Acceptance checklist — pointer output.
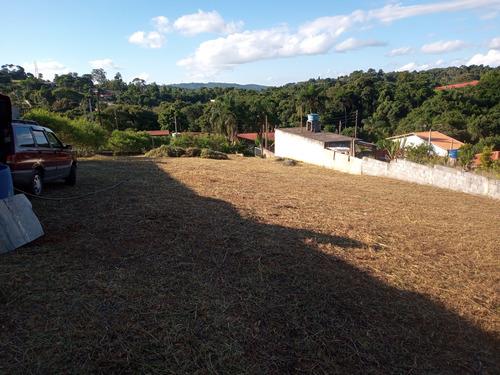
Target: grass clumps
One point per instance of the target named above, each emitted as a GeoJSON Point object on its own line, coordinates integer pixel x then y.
{"type": "Point", "coordinates": [211, 154]}
{"type": "Point", "coordinates": [166, 151]}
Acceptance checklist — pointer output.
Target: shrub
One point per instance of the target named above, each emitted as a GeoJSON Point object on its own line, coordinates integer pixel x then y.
{"type": "Point", "coordinates": [184, 141]}
{"type": "Point", "coordinates": [129, 142]}
{"type": "Point", "coordinates": [207, 153]}
{"type": "Point", "coordinates": [420, 153]}
{"type": "Point", "coordinates": [486, 162]}
{"type": "Point", "coordinates": [465, 155]}
{"type": "Point", "coordinates": [86, 137]}
{"type": "Point", "coordinates": [241, 147]}
{"type": "Point", "coordinates": [215, 142]}
{"type": "Point", "coordinates": [193, 151]}
{"type": "Point", "coordinates": [174, 152]}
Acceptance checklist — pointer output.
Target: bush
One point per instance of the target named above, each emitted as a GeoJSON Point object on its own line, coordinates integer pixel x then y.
{"type": "Point", "coordinates": [175, 152]}
{"type": "Point", "coordinates": [420, 154]}
{"type": "Point", "coordinates": [87, 138]}
{"type": "Point", "coordinates": [214, 142]}
{"type": "Point", "coordinates": [241, 147]}
{"type": "Point", "coordinates": [184, 141]}
{"type": "Point", "coordinates": [207, 153]}
{"type": "Point", "coordinates": [486, 162]}
{"type": "Point", "coordinates": [465, 155]}
{"type": "Point", "coordinates": [129, 142]}
{"type": "Point", "coordinates": [193, 152]}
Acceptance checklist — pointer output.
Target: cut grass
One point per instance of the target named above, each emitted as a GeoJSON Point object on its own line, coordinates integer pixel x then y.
{"type": "Point", "coordinates": [247, 266]}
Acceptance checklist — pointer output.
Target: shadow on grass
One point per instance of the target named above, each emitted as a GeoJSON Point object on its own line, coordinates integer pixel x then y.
{"type": "Point", "coordinates": [153, 278]}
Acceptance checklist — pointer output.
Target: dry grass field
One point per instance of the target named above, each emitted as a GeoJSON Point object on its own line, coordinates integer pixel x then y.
{"type": "Point", "coordinates": [247, 266]}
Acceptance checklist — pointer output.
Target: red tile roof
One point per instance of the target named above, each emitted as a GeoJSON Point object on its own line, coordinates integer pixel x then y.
{"type": "Point", "coordinates": [437, 138]}
{"type": "Point", "coordinates": [157, 132]}
{"type": "Point", "coordinates": [472, 83]}
{"type": "Point", "coordinates": [253, 136]}
{"type": "Point", "coordinates": [477, 158]}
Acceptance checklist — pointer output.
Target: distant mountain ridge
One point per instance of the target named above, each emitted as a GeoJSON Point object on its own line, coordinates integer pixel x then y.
{"type": "Point", "coordinates": [211, 85]}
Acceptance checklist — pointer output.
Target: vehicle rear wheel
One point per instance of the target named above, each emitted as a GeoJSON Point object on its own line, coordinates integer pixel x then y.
{"type": "Point", "coordinates": [71, 179]}
{"type": "Point", "coordinates": [36, 185]}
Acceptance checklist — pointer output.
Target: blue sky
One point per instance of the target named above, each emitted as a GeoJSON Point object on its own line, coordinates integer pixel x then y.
{"type": "Point", "coordinates": [272, 42]}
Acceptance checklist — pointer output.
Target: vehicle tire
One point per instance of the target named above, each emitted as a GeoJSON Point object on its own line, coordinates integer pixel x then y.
{"type": "Point", "coordinates": [36, 185]}
{"type": "Point", "coordinates": [71, 179]}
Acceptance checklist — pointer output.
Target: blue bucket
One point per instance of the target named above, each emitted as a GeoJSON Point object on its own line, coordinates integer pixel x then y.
{"type": "Point", "coordinates": [6, 188]}
{"type": "Point", "coordinates": [453, 154]}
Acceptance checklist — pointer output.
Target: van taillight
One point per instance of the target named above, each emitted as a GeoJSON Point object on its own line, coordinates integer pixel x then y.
{"type": "Point", "coordinates": [11, 159]}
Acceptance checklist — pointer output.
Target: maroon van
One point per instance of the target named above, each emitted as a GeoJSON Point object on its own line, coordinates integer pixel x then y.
{"type": "Point", "coordinates": [34, 153]}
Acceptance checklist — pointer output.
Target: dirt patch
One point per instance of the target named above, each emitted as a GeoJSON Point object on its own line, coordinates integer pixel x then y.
{"type": "Point", "coordinates": [248, 266]}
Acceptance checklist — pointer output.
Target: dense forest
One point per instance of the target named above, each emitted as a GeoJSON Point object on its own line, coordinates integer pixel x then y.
{"type": "Point", "coordinates": [374, 104]}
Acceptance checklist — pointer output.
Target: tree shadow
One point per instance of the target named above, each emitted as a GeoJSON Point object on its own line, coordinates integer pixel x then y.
{"type": "Point", "coordinates": [173, 282]}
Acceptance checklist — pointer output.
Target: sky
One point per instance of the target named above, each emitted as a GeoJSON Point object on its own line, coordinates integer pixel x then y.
{"type": "Point", "coordinates": [265, 42]}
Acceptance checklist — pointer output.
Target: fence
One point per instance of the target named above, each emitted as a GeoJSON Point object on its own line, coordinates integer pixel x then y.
{"type": "Point", "coordinates": [439, 176]}
{"type": "Point", "coordinates": [312, 151]}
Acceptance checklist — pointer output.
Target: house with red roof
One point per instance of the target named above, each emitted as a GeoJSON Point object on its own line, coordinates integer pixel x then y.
{"type": "Point", "coordinates": [251, 137]}
{"type": "Point", "coordinates": [441, 143]}
{"type": "Point", "coordinates": [476, 162]}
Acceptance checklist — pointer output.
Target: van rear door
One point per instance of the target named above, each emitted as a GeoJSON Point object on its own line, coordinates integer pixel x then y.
{"type": "Point", "coordinates": [6, 144]}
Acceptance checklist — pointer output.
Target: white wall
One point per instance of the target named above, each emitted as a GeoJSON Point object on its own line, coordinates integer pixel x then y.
{"type": "Point", "coordinates": [310, 151]}
{"type": "Point", "coordinates": [413, 140]}
{"type": "Point", "coordinates": [439, 176]}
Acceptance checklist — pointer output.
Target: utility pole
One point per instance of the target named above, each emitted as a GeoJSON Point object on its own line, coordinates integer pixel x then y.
{"type": "Point", "coordinates": [98, 107]}
{"type": "Point", "coordinates": [91, 114]}
{"type": "Point", "coordinates": [356, 126]}
{"type": "Point", "coordinates": [267, 129]}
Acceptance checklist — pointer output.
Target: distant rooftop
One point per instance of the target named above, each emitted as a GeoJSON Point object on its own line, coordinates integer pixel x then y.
{"type": "Point", "coordinates": [436, 138]}
{"type": "Point", "coordinates": [325, 137]}
{"type": "Point", "coordinates": [471, 83]}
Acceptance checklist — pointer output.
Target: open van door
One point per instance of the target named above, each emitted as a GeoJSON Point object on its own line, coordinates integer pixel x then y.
{"type": "Point", "coordinates": [5, 128]}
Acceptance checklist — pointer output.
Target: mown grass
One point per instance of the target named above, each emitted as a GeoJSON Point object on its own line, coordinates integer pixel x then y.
{"type": "Point", "coordinates": [247, 266]}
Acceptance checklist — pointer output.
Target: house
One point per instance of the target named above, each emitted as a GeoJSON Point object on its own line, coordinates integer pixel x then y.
{"type": "Point", "coordinates": [476, 162]}
{"type": "Point", "coordinates": [321, 148]}
{"type": "Point", "coordinates": [158, 133]}
{"type": "Point", "coordinates": [250, 138]}
{"type": "Point", "coordinates": [441, 143]}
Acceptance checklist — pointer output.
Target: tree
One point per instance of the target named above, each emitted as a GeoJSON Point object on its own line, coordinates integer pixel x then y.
{"type": "Point", "coordinates": [99, 76]}
{"type": "Point", "coordinates": [465, 155]}
{"type": "Point", "coordinates": [486, 161]}
{"type": "Point", "coordinates": [171, 118]}
{"type": "Point", "coordinates": [311, 96]}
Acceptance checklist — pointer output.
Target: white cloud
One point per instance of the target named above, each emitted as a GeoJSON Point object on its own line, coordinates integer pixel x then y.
{"type": "Point", "coordinates": [401, 51]}
{"type": "Point", "coordinates": [489, 16]}
{"type": "Point", "coordinates": [106, 64]}
{"type": "Point", "coordinates": [491, 59]}
{"type": "Point", "coordinates": [161, 24]}
{"type": "Point", "coordinates": [415, 66]}
{"type": "Point", "coordinates": [352, 44]}
{"type": "Point", "coordinates": [393, 12]}
{"type": "Point", "coordinates": [205, 22]}
{"type": "Point", "coordinates": [495, 43]}
{"type": "Point", "coordinates": [152, 39]}
{"type": "Point", "coordinates": [443, 46]}
{"type": "Point", "coordinates": [315, 37]}
{"type": "Point", "coordinates": [48, 68]}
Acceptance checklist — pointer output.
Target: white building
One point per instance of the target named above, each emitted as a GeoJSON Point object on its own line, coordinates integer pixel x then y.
{"type": "Point", "coordinates": [440, 142]}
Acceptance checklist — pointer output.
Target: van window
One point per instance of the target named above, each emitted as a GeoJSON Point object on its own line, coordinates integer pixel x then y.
{"type": "Point", "coordinates": [41, 139]}
{"type": "Point", "coordinates": [24, 137]}
{"type": "Point", "coordinates": [54, 142]}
